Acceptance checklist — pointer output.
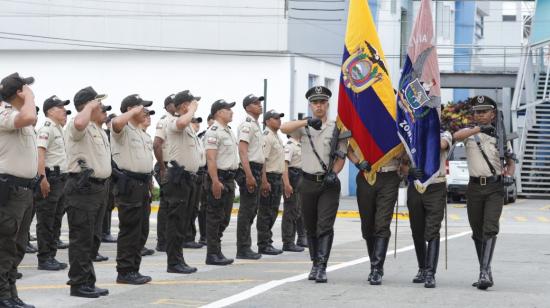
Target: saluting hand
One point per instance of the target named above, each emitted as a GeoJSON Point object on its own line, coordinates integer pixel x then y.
{"type": "Point", "coordinates": [26, 93]}
{"type": "Point", "coordinates": [137, 110]}
{"type": "Point", "coordinates": [217, 188]}
{"type": "Point", "coordinates": [45, 188]}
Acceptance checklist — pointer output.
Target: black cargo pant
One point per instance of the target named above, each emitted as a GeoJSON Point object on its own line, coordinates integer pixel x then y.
{"type": "Point", "coordinates": [47, 211]}
{"type": "Point", "coordinates": [426, 211]}
{"type": "Point", "coordinates": [163, 207]}
{"type": "Point", "coordinates": [484, 204]}
{"type": "Point", "coordinates": [218, 214]}
{"type": "Point", "coordinates": [109, 209]}
{"type": "Point", "coordinates": [376, 203]}
{"type": "Point", "coordinates": [179, 200]}
{"type": "Point", "coordinates": [145, 222]}
{"type": "Point", "coordinates": [98, 233]}
{"type": "Point", "coordinates": [292, 209]}
{"type": "Point", "coordinates": [83, 211]}
{"type": "Point", "coordinates": [191, 232]}
{"type": "Point", "coordinates": [319, 207]}
{"type": "Point", "coordinates": [202, 209]}
{"type": "Point", "coordinates": [248, 208]}
{"type": "Point", "coordinates": [15, 221]}
{"type": "Point", "coordinates": [268, 210]}
{"type": "Point", "coordinates": [133, 210]}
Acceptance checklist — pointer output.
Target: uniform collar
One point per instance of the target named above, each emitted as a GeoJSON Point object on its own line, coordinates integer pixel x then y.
{"type": "Point", "coordinates": [248, 116]}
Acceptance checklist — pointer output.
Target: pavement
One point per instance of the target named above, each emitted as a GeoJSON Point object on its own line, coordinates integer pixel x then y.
{"type": "Point", "coordinates": [521, 268]}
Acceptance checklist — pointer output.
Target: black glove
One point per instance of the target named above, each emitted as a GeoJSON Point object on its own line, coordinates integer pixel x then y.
{"type": "Point", "coordinates": [363, 166]}
{"type": "Point", "coordinates": [416, 173]}
{"type": "Point", "coordinates": [488, 130]}
{"type": "Point", "coordinates": [331, 179]}
{"type": "Point", "coordinates": [315, 123]}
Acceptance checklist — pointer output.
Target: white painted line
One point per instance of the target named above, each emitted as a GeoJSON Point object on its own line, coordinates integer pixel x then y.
{"type": "Point", "coordinates": [246, 294]}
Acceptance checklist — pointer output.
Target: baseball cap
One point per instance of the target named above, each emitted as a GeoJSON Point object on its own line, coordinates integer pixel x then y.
{"type": "Point", "coordinates": [183, 97]}
{"type": "Point", "coordinates": [272, 114]}
{"type": "Point", "coordinates": [169, 100]}
{"type": "Point", "coordinates": [110, 117]}
{"type": "Point", "coordinates": [133, 100]}
{"type": "Point", "coordinates": [196, 120]}
{"type": "Point", "coordinates": [86, 95]}
{"type": "Point", "coordinates": [13, 83]}
{"type": "Point", "coordinates": [251, 98]}
{"type": "Point", "coordinates": [53, 101]}
{"type": "Point", "coordinates": [318, 93]}
{"type": "Point", "coordinates": [482, 102]}
{"type": "Point", "coordinates": [219, 105]}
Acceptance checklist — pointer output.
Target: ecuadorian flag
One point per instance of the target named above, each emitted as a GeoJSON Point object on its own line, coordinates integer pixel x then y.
{"type": "Point", "coordinates": [366, 101]}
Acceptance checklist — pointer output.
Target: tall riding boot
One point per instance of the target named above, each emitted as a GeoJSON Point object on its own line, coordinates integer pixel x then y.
{"type": "Point", "coordinates": [323, 253]}
{"type": "Point", "coordinates": [301, 233]}
{"type": "Point", "coordinates": [478, 243]}
{"type": "Point", "coordinates": [485, 277]}
{"type": "Point", "coordinates": [379, 256]}
{"type": "Point", "coordinates": [370, 250]}
{"type": "Point", "coordinates": [313, 245]}
{"type": "Point", "coordinates": [432, 257]}
{"type": "Point", "coordinates": [420, 249]}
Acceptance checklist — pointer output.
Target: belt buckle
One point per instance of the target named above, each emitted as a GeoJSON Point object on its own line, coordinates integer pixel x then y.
{"type": "Point", "coordinates": [482, 181]}
{"type": "Point", "coordinates": [319, 177]}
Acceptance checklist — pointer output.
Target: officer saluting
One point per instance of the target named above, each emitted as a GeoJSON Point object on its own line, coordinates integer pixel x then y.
{"type": "Point", "coordinates": [89, 166]}
{"type": "Point", "coordinates": [485, 193]}
{"type": "Point", "coordinates": [222, 160]}
{"type": "Point", "coordinates": [132, 153]}
{"type": "Point", "coordinates": [18, 169]}
{"type": "Point", "coordinates": [52, 164]}
{"type": "Point", "coordinates": [320, 189]}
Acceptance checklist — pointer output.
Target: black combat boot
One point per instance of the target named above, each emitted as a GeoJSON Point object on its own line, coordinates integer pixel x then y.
{"type": "Point", "coordinates": [478, 243]}
{"type": "Point", "coordinates": [377, 262]}
{"type": "Point", "coordinates": [313, 244]}
{"type": "Point", "coordinates": [323, 253]}
{"type": "Point", "coordinates": [420, 249]}
{"type": "Point", "coordinates": [432, 257]}
{"type": "Point", "coordinates": [370, 250]}
{"type": "Point", "coordinates": [485, 277]}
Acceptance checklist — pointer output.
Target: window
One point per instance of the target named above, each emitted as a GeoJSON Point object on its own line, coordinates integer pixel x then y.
{"type": "Point", "coordinates": [508, 17]}
{"type": "Point", "coordinates": [312, 80]}
{"type": "Point", "coordinates": [509, 11]}
{"type": "Point", "coordinates": [329, 83]}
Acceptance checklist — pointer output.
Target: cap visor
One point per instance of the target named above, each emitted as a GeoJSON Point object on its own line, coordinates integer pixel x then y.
{"type": "Point", "coordinates": [261, 98]}
{"type": "Point", "coordinates": [151, 112]}
{"type": "Point", "coordinates": [281, 115]}
{"type": "Point", "coordinates": [69, 112]}
{"type": "Point", "coordinates": [231, 105]}
{"type": "Point", "coordinates": [106, 108]}
{"type": "Point", "coordinates": [318, 97]}
{"type": "Point", "coordinates": [62, 103]}
{"type": "Point", "coordinates": [101, 96]}
{"type": "Point", "coordinates": [28, 80]}
{"type": "Point", "coordinates": [147, 103]}
{"type": "Point", "coordinates": [197, 98]}
{"type": "Point", "coordinates": [484, 107]}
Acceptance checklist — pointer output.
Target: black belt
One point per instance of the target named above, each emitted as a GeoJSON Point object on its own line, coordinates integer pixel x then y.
{"type": "Point", "coordinates": [484, 180]}
{"type": "Point", "coordinates": [314, 177]}
{"type": "Point", "coordinates": [227, 174]}
{"type": "Point", "coordinates": [141, 177]}
{"type": "Point", "coordinates": [273, 175]}
{"type": "Point", "coordinates": [92, 180]}
{"type": "Point", "coordinates": [17, 181]}
{"type": "Point", "coordinates": [256, 166]}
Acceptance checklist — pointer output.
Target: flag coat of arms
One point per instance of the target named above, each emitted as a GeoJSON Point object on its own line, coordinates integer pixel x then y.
{"type": "Point", "coordinates": [366, 99]}
{"type": "Point", "coordinates": [419, 100]}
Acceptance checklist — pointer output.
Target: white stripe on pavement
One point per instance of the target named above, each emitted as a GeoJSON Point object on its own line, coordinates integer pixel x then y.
{"type": "Point", "coordinates": [246, 294]}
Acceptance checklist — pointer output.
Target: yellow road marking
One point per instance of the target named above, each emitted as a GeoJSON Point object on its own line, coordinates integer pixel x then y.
{"type": "Point", "coordinates": [454, 217]}
{"type": "Point", "coordinates": [543, 219]}
{"type": "Point", "coordinates": [178, 302]}
{"type": "Point", "coordinates": [459, 206]}
{"type": "Point", "coordinates": [520, 218]}
{"type": "Point", "coordinates": [545, 208]}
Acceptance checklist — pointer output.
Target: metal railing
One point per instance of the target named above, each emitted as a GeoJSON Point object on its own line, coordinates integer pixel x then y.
{"type": "Point", "coordinates": [479, 58]}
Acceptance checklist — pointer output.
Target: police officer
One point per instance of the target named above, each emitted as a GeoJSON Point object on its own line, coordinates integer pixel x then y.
{"type": "Point", "coordinates": [52, 164]}
{"type": "Point", "coordinates": [426, 210]}
{"type": "Point", "coordinates": [89, 166]}
{"type": "Point", "coordinates": [485, 192]}
{"type": "Point", "coordinates": [184, 159]}
{"type": "Point", "coordinates": [272, 185]}
{"type": "Point", "coordinates": [18, 170]}
{"type": "Point", "coordinates": [106, 236]}
{"type": "Point", "coordinates": [320, 189]}
{"type": "Point", "coordinates": [160, 148]}
{"type": "Point", "coordinates": [191, 232]}
{"type": "Point", "coordinates": [132, 177]}
{"type": "Point", "coordinates": [222, 159]}
{"type": "Point", "coordinates": [149, 198]}
{"type": "Point", "coordinates": [292, 217]}
{"type": "Point", "coordinates": [249, 175]}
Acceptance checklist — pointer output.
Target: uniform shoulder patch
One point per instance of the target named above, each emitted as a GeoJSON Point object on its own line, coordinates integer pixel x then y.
{"type": "Point", "coordinates": [248, 120]}
{"type": "Point", "coordinates": [47, 124]}
{"type": "Point", "coordinates": [266, 133]}
{"type": "Point", "coordinates": [214, 128]}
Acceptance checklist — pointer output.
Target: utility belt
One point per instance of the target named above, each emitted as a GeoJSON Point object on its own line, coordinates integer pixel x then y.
{"type": "Point", "coordinates": [226, 175]}
{"type": "Point", "coordinates": [274, 176]}
{"type": "Point", "coordinates": [202, 171]}
{"type": "Point", "coordinates": [81, 176]}
{"type": "Point", "coordinates": [484, 180]}
{"type": "Point", "coordinates": [55, 175]}
{"type": "Point", "coordinates": [180, 176]}
{"type": "Point", "coordinates": [8, 181]}
{"type": "Point", "coordinates": [318, 178]}
{"type": "Point", "coordinates": [255, 168]}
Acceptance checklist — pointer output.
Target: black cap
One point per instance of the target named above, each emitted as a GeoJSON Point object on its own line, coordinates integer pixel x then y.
{"type": "Point", "coordinates": [483, 102]}
{"type": "Point", "coordinates": [196, 120]}
{"type": "Point", "coordinates": [86, 95]}
{"type": "Point", "coordinates": [169, 100]}
{"type": "Point", "coordinates": [272, 114]}
{"type": "Point", "coordinates": [13, 83]}
{"type": "Point", "coordinates": [53, 101]}
{"type": "Point", "coordinates": [251, 98]}
{"type": "Point", "coordinates": [184, 96]}
{"type": "Point", "coordinates": [219, 105]}
{"type": "Point", "coordinates": [210, 117]}
{"type": "Point", "coordinates": [68, 112]}
{"type": "Point", "coordinates": [133, 100]}
{"type": "Point", "coordinates": [106, 108]}
{"type": "Point", "coordinates": [151, 112]}
{"type": "Point", "coordinates": [318, 93]}
{"type": "Point", "coordinates": [110, 117]}
{"type": "Point", "coordinates": [37, 109]}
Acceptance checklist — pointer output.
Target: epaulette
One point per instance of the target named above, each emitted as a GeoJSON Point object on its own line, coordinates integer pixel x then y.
{"type": "Point", "coordinates": [248, 120]}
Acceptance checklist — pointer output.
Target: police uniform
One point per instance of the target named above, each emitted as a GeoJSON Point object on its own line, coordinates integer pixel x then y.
{"type": "Point", "coordinates": [106, 236]}
{"type": "Point", "coordinates": [18, 168]}
{"type": "Point", "coordinates": [250, 132]}
{"type": "Point", "coordinates": [85, 196]}
{"type": "Point", "coordinates": [426, 210]}
{"type": "Point", "coordinates": [292, 222]}
{"type": "Point", "coordinates": [485, 192]}
{"type": "Point", "coordinates": [219, 137]}
{"type": "Point", "coordinates": [160, 132]}
{"type": "Point", "coordinates": [132, 152]}
{"type": "Point", "coordinates": [273, 149]}
{"type": "Point", "coordinates": [51, 139]}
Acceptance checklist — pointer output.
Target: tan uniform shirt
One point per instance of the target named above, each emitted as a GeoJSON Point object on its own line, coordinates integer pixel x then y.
{"type": "Point", "coordinates": [184, 146]}
{"type": "Point", "coordinates": [441, 177]}
{"type": "Point", "coordinates": [250, 132]}
{"type": "Point", "coordinates": [477, 166]}
{"type": "Point", "coordinates": [274, 152]}
{"type": "Point", "coordinates": [132, 150]}
{"type": "Point", "coordinates": [321, 140]}
{"type": "Point", "coordinates": [50, 137]}
{"type": "Point", "coordinates": [293, 153]}
{"type": "Point", "coordinates": [90, 145]}
{"type": "Point", "coordinates": [224, 141]}
{"type": "Point", "coordinates": [161, 133]}
{"type": "Point", "coordinates": [18, 155]}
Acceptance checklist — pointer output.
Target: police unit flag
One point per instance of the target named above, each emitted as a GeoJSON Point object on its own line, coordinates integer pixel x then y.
{"type": "Point", "coordinates": [419, 100]}
{"type": "Point", "coordinates": [366, 100]}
